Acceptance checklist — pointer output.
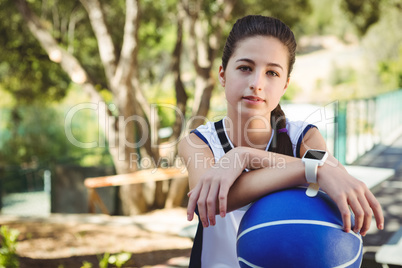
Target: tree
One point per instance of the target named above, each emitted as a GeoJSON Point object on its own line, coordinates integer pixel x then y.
{"type": "Point", "coordinates": [365, 13]}
{"type": "Point", "coordinates": [25, 69]}
{"type": "Point", "coordinates": [120, 68]}
{"type": "Point", "coordinates": [78, 36]}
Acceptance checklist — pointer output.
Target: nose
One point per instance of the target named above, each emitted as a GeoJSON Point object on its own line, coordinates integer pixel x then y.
{"type": "Point", "coordinates": [257, 81]}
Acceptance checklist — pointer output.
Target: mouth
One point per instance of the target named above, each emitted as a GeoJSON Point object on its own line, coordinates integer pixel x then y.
{"type": "Point", "coordinates": [253, 99]}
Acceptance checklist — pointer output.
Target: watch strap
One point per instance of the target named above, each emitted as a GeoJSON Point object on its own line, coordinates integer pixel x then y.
{"type": "Point", "coordinates": [311, 177]}
{"type": "Point", "coordinates": [312, 189]}
{"type": "Point", "coordinates": [311, 171]}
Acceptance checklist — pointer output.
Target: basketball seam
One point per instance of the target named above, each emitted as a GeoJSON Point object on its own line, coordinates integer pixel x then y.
{"type": "Point", "coordinates": [314, 222]}
{"type": "Point", "coordinates": [273, 223]}
{"type": "Point", "coordinates": [248, 263]}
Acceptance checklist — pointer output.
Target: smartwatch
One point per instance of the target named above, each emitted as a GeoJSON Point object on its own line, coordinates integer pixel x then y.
{"type": "Point", "coordinates": [313, 159]}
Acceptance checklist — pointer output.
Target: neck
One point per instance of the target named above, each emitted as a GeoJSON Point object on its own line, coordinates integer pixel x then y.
{"type": "Point", "coordinates": [254, 133]}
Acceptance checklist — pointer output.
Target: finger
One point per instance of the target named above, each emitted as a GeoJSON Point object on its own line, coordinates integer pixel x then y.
{"type": "Point", "coordinates": [211, 202]}
{"type": "Point", "coordinates": [345, 213]}
{"type": "Point", "coordinates": [366, 216]}
{"type": "Point", "coordinates": [192, 201]}
{"type": "Point", "coordinates": [358, 212]}
{"type": "Point", "coordinates": [189, 193]}
{"type": "Point", "coordinates": [377, 210]}
{"type": "Point", "coordinates": [223, 194]}
{"type": "Point", "coordinates": [202, 208]}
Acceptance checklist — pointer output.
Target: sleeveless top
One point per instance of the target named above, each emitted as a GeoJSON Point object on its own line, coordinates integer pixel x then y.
{"type": "Point", "coordinates": [215, 246]}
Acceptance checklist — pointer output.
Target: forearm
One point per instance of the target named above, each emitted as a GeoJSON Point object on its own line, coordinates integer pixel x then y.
{"type": "Point", "coordinates": [251, 158]}
{"type": "Point", "coordinates": [257, 183]}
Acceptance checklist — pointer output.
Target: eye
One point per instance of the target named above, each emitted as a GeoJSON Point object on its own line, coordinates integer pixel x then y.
{"type": "Point", "coordinates": [272, 73]}
{"type": "Point", "coordinates": [244, 68]}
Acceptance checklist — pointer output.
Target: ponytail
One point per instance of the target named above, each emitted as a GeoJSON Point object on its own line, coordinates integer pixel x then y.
{"type": "Point", "coordinates": [281, 143]}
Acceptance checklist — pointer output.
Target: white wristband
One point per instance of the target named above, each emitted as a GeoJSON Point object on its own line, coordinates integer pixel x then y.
{"type": "Point", "coordinates": [311, 171]}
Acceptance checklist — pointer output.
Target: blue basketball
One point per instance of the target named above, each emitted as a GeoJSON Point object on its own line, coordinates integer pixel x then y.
{"type": "Point", "coordinates": [290, 229]}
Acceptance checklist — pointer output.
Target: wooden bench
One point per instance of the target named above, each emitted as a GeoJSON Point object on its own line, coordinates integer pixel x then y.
{"type": "Point", "coordinates": [140, 176]}
{"type": "Point", "coordinates": [391, 252]}
{"type": "Point", "coordinates": [373, 177]}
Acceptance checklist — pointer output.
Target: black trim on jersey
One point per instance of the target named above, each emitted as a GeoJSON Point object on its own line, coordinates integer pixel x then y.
{"type": "Point", "coordinates": [307, 128]}
{"type": "Point", "coordinates": [196, 251]}
{"type": "Point", "coordinates": [224, 140]}
{"type": "Point", "coordinates": [199, 135]}
{"type": "Point", "coordinates": [195, 257]}
{"type": "Point", "coordinates": [222, 136]}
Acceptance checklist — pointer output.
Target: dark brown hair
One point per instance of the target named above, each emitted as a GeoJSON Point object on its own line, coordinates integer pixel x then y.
{"type": "Point", "coordinates": [256, 25]}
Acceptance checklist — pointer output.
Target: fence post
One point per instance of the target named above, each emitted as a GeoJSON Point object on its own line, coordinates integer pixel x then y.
{"type": "Point", "coordinates": [47, 182]}
{"type": "Point", "coordinates": [340, 133]}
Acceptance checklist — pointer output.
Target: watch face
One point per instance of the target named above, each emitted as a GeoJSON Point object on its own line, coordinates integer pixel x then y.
{"type": "Point", "coordinates": [314, 154]}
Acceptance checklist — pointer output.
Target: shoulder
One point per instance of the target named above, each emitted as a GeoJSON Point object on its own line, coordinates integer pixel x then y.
{"type": "Point", "coordinates": [305, 135]}
{"type": "Point", "coordinates": [297, 132]}
{"type": "Point", "coordinates": [297, 129]}
{"type": "Point", "coordinates": [197, 140]}
{"type": "Point", "coordinates": [206, 130]}
{"type": "Point", "coordinates": [191, 143]}
{"type": "Point", "coordinates": [297, 125]}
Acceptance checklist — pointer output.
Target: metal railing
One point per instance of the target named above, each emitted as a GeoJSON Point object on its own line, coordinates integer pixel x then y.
{"type": "Point", "coordinates": [364, 123]}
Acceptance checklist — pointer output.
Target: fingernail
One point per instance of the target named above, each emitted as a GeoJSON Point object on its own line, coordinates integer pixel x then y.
{"type": "Point", "coordinates": [188, 217]}
{"type": "Point", "coordinates": [381, 227]}
{"type": "Point", "coordinates": [222, 214]}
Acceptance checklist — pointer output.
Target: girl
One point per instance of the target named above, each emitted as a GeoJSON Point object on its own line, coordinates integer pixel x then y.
{"type": "Point", "coordinates": [255, 150]}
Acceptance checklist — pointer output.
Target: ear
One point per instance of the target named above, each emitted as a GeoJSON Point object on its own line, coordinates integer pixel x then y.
{"type": "Point", "coordinates": [222, 79]}
{"type": "Point", "coordinates": [286, 86]}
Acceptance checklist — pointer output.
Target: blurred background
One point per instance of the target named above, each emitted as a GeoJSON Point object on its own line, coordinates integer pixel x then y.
{"type": "Point", "coordinates": [95, 88]}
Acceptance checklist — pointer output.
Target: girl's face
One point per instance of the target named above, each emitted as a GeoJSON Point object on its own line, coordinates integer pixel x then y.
{"type": "Point", "coordinates": [256, 77]}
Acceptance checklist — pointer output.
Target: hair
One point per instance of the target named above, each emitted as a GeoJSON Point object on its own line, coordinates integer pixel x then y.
{"type": "Point", "coordinates": [257, 25]}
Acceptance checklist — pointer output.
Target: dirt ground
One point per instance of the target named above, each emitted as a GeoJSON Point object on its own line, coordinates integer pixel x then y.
{"type": "Point", "coordinates": [154, 240]}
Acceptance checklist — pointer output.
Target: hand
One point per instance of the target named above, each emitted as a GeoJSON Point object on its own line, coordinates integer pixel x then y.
{"type": "Point", "coordinates": [214, 185]}
{"type": "Point", "coordinates": [347, 191]}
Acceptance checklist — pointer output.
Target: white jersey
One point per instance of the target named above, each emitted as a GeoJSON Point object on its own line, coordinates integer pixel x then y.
{"type": "Point", "coordinates": [215, 246]}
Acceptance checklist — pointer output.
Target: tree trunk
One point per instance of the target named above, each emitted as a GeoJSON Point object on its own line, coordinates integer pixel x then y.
{"type": "Point", "coordinates": [204, 47]}
{"type": "Point", "coordinates": [119, 131]}
{"type": "Point", "coordinates": [178, 187]}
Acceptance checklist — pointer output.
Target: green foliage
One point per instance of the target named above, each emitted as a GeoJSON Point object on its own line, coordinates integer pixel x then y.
{"type": "Point", "coordinates": [117, 260]}
{"type": "Point", "coordinates": [344, 83]}
{"type": "Point", "coordinates": [38, 132]}
{"type": "Point", "coordinates": [382, 49]}
{"type": "Point", "coordinates": [342, 75]}
{"type": "Point", "coordinates": [104, 261]}
{"type": "Point", "coordinates": [391, 71]}
{"type": "Point", "coordinates": [25, 70]}
{"type": "Point", "coordinates": [291, 92]}
{"type": "Point", "coordinates": [8, 250]}
{"type": "Point", "coordinates": [291, 12]}
{"type": "Point", "coordinates": [326, 18]}
{"type": "Point", "coordinates": [362, 13]}
{"type": "Point", "coordinates": [86, 264]}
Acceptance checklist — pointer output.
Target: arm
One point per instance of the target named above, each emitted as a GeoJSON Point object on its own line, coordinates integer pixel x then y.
{"type": "Point", "coordinates": [211, 181]}
{"type": "Point", "coordinates": [344, 189]}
